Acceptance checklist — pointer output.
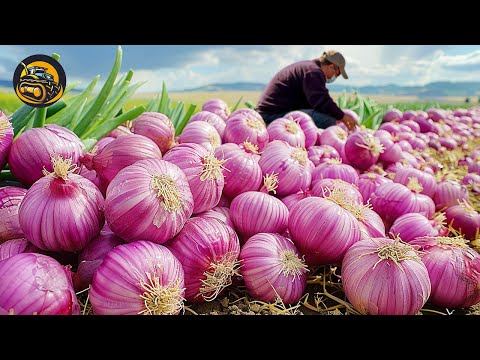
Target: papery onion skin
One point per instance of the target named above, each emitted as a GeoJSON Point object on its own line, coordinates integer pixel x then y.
{"type": "Point", "coordinates": [287, 130]}
{"type": "Point", "coordinates": [135, 207]}
{"type": "Point", "coordinates": [253, 212]}
{"type": "Point", "coordinates": [380, 287]}
{"type": "Point", "coordinates": [410, 226]}
{"type": "Point", "coordinates": [32, 150]}
{"type": "Point", "coordinates": [61, 213]}
{"type": "Point", "coordinates": [465, 219]}
{"type": "Point", "coordinates": [138, 269]}
{"type": "Point", "coordinates": [92, 256]}
{"type": "Point", "coordinates": [322, 230]}
{"type": "Point", "coordinates": [36, 284]}
{"type": "Point", "coordinates": [211, 118]}
{"type": "Point", "coordinates": [157, 127]}
{"type": "Point", "coordinates": [206, 246]}
{"type": "Point", "coordinates": [428, 182]}
{"type": "Point", "coordinates": [241, 170]}
{"type": "Point", "coordinates": [454, 271]}
{"type": "Point", "coordinates": [10, 199]}
{"type": "Point", "coordinates": [203, 171]}
{"type": "Point", "coordinates": [307, 124]}
{"type": "Point", "coordinates": [122, 152]}
{"type": "Point", "coordinates": [217, 106]}
{"type": "Point", "coordinates": [16, 246]}
{"type": "Point", "coordinates": [292, 165]}
{"type": "Point", "coordinates": [246, 127]}
{"type": "Point", "coordinates": [322, 188]}
{"type": "Point", "coordinates": [272, 267]}
{"type": "Point", "coordinates": [201, 132]}
{"type": "Point", "coordinates": [6, 139]}
{"type": "Point", "coordinates": [368, 182]}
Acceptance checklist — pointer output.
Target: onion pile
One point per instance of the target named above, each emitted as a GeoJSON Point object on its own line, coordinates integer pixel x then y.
{"type": "Point", "coordinates": [6, 139]}
{"type": "Point", "coordinates": [156, 127]}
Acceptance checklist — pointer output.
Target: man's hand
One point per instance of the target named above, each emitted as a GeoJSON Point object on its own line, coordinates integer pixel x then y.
{"type": "Point", "coordinates": [349, 122]}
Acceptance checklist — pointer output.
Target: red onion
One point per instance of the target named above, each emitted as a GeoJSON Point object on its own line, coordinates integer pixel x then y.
{"type": "Point", "coordinates": [323, 230]}
{"type": "Point", "coordinates": [204, 174]}
{"type": "Point", "coordinates": [208, 251]}
{"type": "Point", "coordinates": [290, 163]}
{"type": "Point", "coordinates": [201, 132]}
{"type": "Point", "coordinates": [404, 146]}
{"type": "Point", "coordinates": [409, 160]}
{"type": "Point", "coordinates": [92, 256]}
{"type": "Point", "coordinates": [319, 154]}
{"type": "Point", "coordinates": [392, 128]}
{"type": "Point", "coordinates": [412, 125]}
{"type": "Point", "coordinates": [410, 115]}
{"type": "Point", "coordinates": [272, 268]}
{"type": "Point", "coordinates": [138, 278]}
{"type": "Point", "coordinates": [246, 127]}
{"type": "Point", "coordinates": [119, 131]}
{"type": "Point", "coordinates": [392, 115]}
{"type": "Point", "coordinates": [438, 223]}
{"type": "Point", "coordinates": [32, 150]}
{"type": "Point", "coordinates": [211, 118]}
{"type": "Point", "coordinates": [319, 134]}
{"type": "Point", "coordinates": [324, 187]}
{"type": "Point", "coordinates": [219, 213]}
{"type": "Point", "coordinates": [392, 152]}
{"type": "Point", "coordinates": [368, 182]}
{"type": "Point", "coordinates": [217, 106]}
{"type": "Point", "coordinates": [10, 199]}
{"type": "Point", "coordinates": [454, 271]}
{"type": "Point", "coordinates": [465, 219]}
{"type": "Point", "coordinates": [36, 284]}
{"type": "Point", "coordinates": [427, 181]}
{"type": "Point", "coordinates": [62, 211]}
{"type": "Point", "coordinates": [307, 124]}
{"type": "Point", "coordinates": [391, 200]}
{"type": "Point", "coordinates": [149, 200]}
{"type": "Point", "coordinates": [246, 112]}
{"type": "Point", "coordinates": [291, 200]}
{"type": "Point", "coordinates": [253, 212]}
{"type": "Point", "coordinates": [120, 153]}
{"type": "Point", "coordinates": [448, 193]}
{"type": "Point", "coordinates": [371, 224]}
{"type": "Point", "coordinates": [157, 127]}
{"type": "Point", "coordinates": [336, 137]}
{"type": "Point", "coordinates": [418, 144]}
{"type": "Point", "coordinates": [436, 114]}
{"type": "Point", "coordinates": [6, 139]}
{"type": "Point", "coordinates": [469, 179]}
{"type": "Point", "coordinates": [16, 246]}
{"type": "Point", "coordinates": [381, 276]}
{"type": "Point", "coordinates": [363, 149]}
{"type": "Point", "coordinates": [353, 114]}
{"type": "Point", "coordinates": [288, 130]}
{"type": "Point", "coordinates": [334, 169]}
{"type": "Point", "coordinates": [410, 226]}
{"type": "Point", "coordinates": [241, 170]}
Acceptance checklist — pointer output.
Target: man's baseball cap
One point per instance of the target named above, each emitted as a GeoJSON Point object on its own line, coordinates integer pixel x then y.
{"type": "Point", "coordinates": [336, 58]}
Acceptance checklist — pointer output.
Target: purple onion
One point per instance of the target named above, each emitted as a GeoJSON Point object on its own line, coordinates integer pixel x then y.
{"type": "Point", "coordinates": [6, 139]}
{"type": "Point", "coordinates": [362, 149]}
{"type": "Point", "coordinates": [368, 182]}
{"type": "Point", "coordinates": [404, 145]}
{"type": "Point", "coordinates": [410, 226]}
{"type": "Point", "coordinates": [334, 169]}
{"type": "Point", "coordinates": [291, 200]}
{"type": "Point", "coordinates": [392, 115]}
{"type": "Point", "coordinates": [211, 118]}
{"type": "Point", "coordinates": [200, 132]}
{"type": "Point", "coordinates": [409, 115]}
{"type": "Point", "coordinates": [448, 193]}
{"type": "Point", "coordinates": [288, 130]}
{"type": "Point", "coordinates": [246, 127]}
{"type": "Point", "coordinates": [336, 137]}
{"type": "Point", "coordinates": [119, 131]}
{"type": "Point", "coordinates": [307, 124]}
{"type": "Point", "coordinates": [320, 154]}
{"type": "Point", "coordinates": [427, 181]}
{"type": "Point", "coordinates": [10, 199]}
{"type": "Point", "coordinates": [412, 125]}
{"type": "Point", "coordinates": [217, 106]}
{"type": "Point", "coordinates": [418, 144]}
{"type": "Point", "coordinates": [17, 246]}
{"type": "Point", "coordinates": [157, 127]}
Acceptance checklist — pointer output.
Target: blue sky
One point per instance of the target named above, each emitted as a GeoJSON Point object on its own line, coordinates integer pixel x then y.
{"type": "Point", "coordinates": [183, 66]}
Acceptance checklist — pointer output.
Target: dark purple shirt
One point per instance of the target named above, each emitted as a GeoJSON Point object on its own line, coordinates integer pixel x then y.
{"type": "Point", "coordinates": [301, 85]}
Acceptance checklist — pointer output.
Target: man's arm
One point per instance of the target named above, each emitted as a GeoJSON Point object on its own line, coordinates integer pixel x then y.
{"type": "Point", "coordinates": [317, 95]}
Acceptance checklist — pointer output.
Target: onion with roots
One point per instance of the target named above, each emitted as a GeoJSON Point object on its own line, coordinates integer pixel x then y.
{"type": "Point", "coordinates": [448, 193]}
{"type": "Point", "coordinates": [211, 118]}
{"type": "Point", "coordinates": [140, 278]}
{"type": "Point", "coordinates": [246, 127]}
{"type": "Point", "coordinates": [323, 188]}
{"type": "Point", "coordinates": [157, 127]}
{"type": "Point", "coordinates": [464, 219]}
{"type": "Point", "coordinates": [36, 284]}
{"type": "Point", "coordinates": [381, 276]}
{"type": "Point", "coordinates": [241, 169]}
{"type": "Point", "coordinates": [454, 271]}
{"type": "Point", "coordinates": [203, 171]}
{"type": "Point", "coordinates": [10, 199]}
{"type": "Point", "coordinates": [62, 211]}
{"type": "Point", "coordinates": [149, 200]}
{"type": "Point", "coordinates": [362, 149]}
{"type": "Point", "coordinates": [32, 150]}
{"type": "Point", "coordinates": [217, 106]}
{"type": "Point", "coordinates": [410, 226]}
{"type": "Point", "coordinates": [336, 137]}
{"type": "Point", "coordinates": [291, 164]}
{"type": "Point", "coordinates": [6, 139]}
{"type": "Point", "coordinates": [248, 112]}
{"type": "Point", "coordinates": [273, 268]}
{"type": "Point", "coordinates": [287, 130]}
{"type": "Point", "coordinates": [253, 212]}
{"type": "Point", "coordinates": [208, 250]}
{"type": "Point", "coordinates": [428, 182]}
{"type": "Point", "coordinates": [200, 132]}
{"type": "Point", "coordinates": [307, 124]}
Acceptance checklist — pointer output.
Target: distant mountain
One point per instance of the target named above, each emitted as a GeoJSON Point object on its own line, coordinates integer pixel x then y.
{"type": "Point", "coordinates": [435, 89]}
